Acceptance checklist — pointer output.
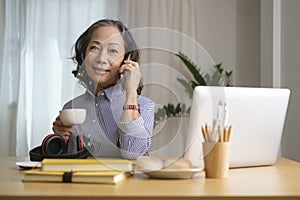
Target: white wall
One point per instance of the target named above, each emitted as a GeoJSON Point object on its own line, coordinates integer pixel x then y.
{"type": "Point", "coordinates": [247, 43]}
{"type": "Point", "coordinates": [266, 44]}
{"type": "Point", "coordinates": [230, 32]}
{"type": "Point", "coordinates": [290, 69]}
{"type": "Point", "coordinates": [1, 29]}
{"type": "Point", "coordinates": [290, 72]}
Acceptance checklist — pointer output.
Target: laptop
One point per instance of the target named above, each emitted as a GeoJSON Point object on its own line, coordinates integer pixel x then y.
{"type": "Point", "coordinates": [257, 117]}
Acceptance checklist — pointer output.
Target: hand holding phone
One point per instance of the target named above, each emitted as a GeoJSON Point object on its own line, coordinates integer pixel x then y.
{"type": "Point", "coordinates": [131, 75]}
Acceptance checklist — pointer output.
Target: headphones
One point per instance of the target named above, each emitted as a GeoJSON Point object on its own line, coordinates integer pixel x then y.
{"type": "Point", "coordinates": [54, 146]}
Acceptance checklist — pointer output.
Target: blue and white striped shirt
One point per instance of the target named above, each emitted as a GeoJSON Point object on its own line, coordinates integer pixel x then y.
{"type": "Point", "coordinates": [109, 136]}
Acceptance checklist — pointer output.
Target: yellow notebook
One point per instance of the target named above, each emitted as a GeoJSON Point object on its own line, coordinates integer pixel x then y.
{"type": "Point", "coordinates": [109, 177]}
{"type": "Point", "coordinates": [66, 165]}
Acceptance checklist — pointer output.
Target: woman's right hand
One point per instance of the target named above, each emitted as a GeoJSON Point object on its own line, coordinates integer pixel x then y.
{"type": "Point", "coordinates": [60, 129]}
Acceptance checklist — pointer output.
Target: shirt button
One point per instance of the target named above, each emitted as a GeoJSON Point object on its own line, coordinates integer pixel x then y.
{"type": "Point", "coordinates": [102, 93]}
{"type": "Point", "coordinates": [94, 121]}
{"type": "Point", "coordinates": [97, 105]}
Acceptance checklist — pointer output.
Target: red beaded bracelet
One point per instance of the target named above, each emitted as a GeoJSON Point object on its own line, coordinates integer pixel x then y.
{"type": "Point", "coordinates": [132, 107]}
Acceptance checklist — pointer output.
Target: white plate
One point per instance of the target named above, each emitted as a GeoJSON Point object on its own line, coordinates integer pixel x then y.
{"type": "Point", "coordinates": [28, 164]}
{"type": "Point", "coordinates": [173, 173]}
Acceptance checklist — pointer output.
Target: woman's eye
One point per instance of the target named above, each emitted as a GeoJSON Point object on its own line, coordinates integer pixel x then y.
{"type": "Point", "coordinates": [114, 51]}
{"type": "Point", "coordinates": [94, 48]}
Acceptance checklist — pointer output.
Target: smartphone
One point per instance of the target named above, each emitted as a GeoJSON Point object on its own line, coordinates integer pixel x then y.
{"type": "Point", "coordinates": [127, 57]}
{"type": "Point", "coordinates": [124, 75]}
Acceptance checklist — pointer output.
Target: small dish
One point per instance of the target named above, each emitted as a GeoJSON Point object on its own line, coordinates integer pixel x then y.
{"type": "Point", "coordinates": [28, 164]}
{"type": "Point", "coordinates": [173, 173]}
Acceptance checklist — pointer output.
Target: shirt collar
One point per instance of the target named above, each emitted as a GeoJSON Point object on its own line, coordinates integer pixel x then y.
{"type": "Point", "coordinates": [110, 93]}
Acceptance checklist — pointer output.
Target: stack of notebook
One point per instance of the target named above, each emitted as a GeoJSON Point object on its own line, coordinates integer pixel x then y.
{"type": "Point", "coordinates": [80, 171]}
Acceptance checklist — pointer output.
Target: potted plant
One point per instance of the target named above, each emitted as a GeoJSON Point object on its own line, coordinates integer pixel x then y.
{"type": "Point", "coordinates": [169, 137]}
{"type": "Point", "coordinates": [218, 77]}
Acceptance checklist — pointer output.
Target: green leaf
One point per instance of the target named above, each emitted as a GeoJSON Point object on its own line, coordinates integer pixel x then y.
{"type": "Point", "coordinates": [218, 77]}
{"type": "Point", "coordinates": [219, 68]}
{"type": "Point", "coordinates": [183, 108]}
{"type": "Point", "coordinates": [160, 114]}
{"type": "Point", "coordinates": [192, 68]}
{"type": "Point", "coordinates": [170, 110]}
{"type": "Point", "coordinates": [188, 111]}
{"type": "Point", "coordinates": [178, 109]}
{"type": "Point", "coordinates": [187, 85]}
{"type": "Point", "coordinates": [194, 84]}
{"type": "Point", "coordinates": [228, 78]}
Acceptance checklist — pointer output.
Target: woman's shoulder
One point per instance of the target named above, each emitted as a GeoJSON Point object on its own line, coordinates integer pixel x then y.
{"type": "Point", "coordinates": [77, 102]}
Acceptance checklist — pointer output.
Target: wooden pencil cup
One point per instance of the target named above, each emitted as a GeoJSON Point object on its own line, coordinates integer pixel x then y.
{"type": "Point", "coordinates": [216, 159]}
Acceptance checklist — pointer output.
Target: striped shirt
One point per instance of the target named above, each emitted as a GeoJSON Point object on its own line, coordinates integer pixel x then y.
{"type": "Point", "coordinates": [109, 136]}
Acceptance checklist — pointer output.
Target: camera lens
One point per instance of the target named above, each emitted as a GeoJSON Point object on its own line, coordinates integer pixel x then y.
{"type": "Point", "coordinates": [54, 145]}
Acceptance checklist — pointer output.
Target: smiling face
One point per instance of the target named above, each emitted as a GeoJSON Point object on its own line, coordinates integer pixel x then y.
{"type": "Point", "coordinates": [104, 55]}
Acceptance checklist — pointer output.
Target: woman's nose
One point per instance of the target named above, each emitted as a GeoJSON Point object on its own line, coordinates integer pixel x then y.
{"type": "Point", "coordinates": [102, 57]}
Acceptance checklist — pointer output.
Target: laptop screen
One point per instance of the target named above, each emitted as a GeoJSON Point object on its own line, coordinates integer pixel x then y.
{"type": "Point", "coordinates": [257, 117]}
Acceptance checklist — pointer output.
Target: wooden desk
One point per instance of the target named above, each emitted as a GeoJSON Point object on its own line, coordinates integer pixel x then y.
{"type": "Point", "coordinates": [281, 181]}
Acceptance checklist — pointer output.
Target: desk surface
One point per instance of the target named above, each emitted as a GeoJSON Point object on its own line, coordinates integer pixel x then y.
{"type": "Point", "coordinates": [280, 181]}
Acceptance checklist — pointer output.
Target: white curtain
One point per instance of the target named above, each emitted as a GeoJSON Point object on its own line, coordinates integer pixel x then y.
{"type": "Point", "coordinates": [35, 68]}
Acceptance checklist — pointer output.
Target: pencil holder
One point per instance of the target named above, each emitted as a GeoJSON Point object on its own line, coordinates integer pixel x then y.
{"type": "Point", "coordinates": [216, 159]}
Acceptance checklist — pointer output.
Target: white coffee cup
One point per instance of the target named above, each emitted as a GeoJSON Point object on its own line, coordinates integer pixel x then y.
{"type": "Point", "coordinates": [72, 116]}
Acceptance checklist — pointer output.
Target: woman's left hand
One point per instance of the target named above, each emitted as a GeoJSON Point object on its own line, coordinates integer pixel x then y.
{"type": "Point", "coordinates": [133, 77]}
